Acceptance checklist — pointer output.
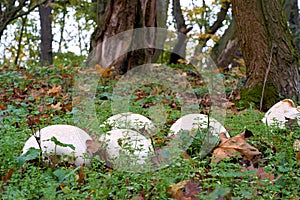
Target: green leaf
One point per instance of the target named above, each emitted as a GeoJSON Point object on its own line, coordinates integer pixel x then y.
{"type": "Point", "coordinates": [58, 143]}
{"type": "Point", "coordinates": [31, 154]}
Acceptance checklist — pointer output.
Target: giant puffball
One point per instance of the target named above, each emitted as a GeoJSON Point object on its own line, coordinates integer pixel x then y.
{"type": "Point", "coordinates": [65, 134]}
{"type": "Point", "coordinates": [126, 147]}
{"type": "Point", "coordinates": [192, 122]}
{"type": "Point", "coordinates": [279, 113]}
{"type": "Point", "coordinates": [131, 121]}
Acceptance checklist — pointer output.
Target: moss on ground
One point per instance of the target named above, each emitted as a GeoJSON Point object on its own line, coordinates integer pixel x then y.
{"type": "Point", "coordinates": [253, 97]}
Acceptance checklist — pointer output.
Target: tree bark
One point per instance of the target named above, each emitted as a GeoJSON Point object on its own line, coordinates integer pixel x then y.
{"type": "Point", "coordinates": [117, 16]}
{"type": "Point", "coordinates": [46, 34]}
{"type": "Point", "coordinates": [267, 45]}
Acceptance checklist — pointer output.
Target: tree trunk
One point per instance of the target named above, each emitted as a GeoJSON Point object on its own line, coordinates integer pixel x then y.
{"type": "Point", "coordinates": [24, 19]}
{"type": "Point", "coordinates": [267, 45]}
{"type": "Point", "coordinates": [117, 16]}
{"type": "Point", "coordinates": [46, 34]}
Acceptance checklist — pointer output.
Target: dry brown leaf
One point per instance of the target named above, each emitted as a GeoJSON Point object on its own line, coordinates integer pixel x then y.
{"type": "Point", "coordinates": [56, 106]}
{"type": "Point", "coordinates": [81, 175]}
{"type": "Point", "coordinates": [55, 90]}
{"type": "Point", "coordinates": [176, 190]}
{"type": "Point", "coordinates": [298, 157]}
{"type": "Point", "coordinates": [8, 175]}
{"type": "Point", "coordinates": [190, 190]}
{"type": "Point", "coordinates": [37, 94]}
{"type": "Point", "coordinates": [95, 148]}
{"type": "Point", "coordinates": [2, 106]}
{"type": "Point", "coordinates": [92, 146]}
{"type": "Point", "coordinates": [236, 145]}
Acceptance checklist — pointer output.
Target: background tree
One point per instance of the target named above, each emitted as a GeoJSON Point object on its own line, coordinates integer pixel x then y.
{"type": "Point", "coordinates": [13, 9]}
{"type": "Point", "coordinates": [180, 46]}
{"type": "Point", "coordinates": [46, 33]}
{"type": "Point", "coordinates": [291, 10]}
{"type": "Point", "coordinates": [114, 17]}
{"type": "Point", "coordinates": [268, 48]}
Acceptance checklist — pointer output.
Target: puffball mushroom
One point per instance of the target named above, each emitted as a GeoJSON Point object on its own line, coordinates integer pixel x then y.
{"type": "Point", "coordinates": [280, 112]}
{"type": "Point", "coordinates": [126, 147]}
{"type": "Point", "coordinates": [132, 121]}
{"type": "Point", "coordinates": [195, 121]}
{"type": "Point", "coordinates": [65, 134]}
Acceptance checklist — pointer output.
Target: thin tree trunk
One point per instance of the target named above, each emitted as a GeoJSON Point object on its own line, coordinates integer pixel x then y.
{"type": "Point", "coordinates": [24, 19]}
{"type": "Point", "coordinates": [62, 29]}
{"type": "Point", "coordinates": [46, 33]}
{"type": "Point", "coordinates": [291, 10]}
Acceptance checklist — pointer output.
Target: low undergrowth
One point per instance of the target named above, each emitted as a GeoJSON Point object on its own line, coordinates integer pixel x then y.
{"type": "Point", "coordinates": [36, 97]}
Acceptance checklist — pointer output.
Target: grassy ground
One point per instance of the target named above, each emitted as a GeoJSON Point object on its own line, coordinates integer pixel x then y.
{"type": "Point", "coordinates": [36, 97]}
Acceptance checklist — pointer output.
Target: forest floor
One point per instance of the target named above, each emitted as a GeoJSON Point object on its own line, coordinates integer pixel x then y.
{"type": "Point", "coordinates": [35, 97]}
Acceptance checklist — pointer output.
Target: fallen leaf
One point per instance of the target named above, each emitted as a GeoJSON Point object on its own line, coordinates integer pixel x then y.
{"type": "Point", "coordinates": [8, 175]}
{"type": "Point", "coordinates": [81, 175]}
{"type": "Point", "coordinates": [56, 106]}
{"type": "Point", "coordinates": [236, 145]}
{"type": "Point", "coordinates": [95, 148]}
{"type": "Point", "coordinates": [92, 146]}
{"type": "Point", "coordinates": [37, 94]}
{"type": "Point", "coordinates": [55, 90]}
{"type": "Point", "coordinates": [176, 189]}
{"type": "Point", "coordinates": [2, 106]}
{"type": "Point", "coordinates": [298, 157]}
{"type": "Point", "coordinates": [192, 189]}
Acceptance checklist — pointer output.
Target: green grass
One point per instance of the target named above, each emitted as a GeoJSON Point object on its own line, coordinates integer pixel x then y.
{"type": "Point", "coordinates": [35, 180]}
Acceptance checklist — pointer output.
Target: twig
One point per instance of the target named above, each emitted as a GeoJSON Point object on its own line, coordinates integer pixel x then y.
{"type": "Point", "coordinates": [265, 80]}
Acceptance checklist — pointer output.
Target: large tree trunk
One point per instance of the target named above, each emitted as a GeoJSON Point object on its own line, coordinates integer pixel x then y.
{"type": "Point", "coordinates": [46, 33]}
{"type": "Point", "coordinates": [117, 16]}
{"type": "Point", "coordinates": [267, 45]}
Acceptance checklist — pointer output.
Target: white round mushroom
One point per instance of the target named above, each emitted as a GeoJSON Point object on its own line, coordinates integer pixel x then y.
{"type": "Point", "coordinates": [192, 122]}
{"type": "Point", "coordinates": [65, 134]}
{"type": "Point", "coordinates": [132, 121]}
{"type": "Point", "coordinates": [126, 147]}
{"type": "Point", "coordinates": [280, 112]}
